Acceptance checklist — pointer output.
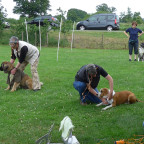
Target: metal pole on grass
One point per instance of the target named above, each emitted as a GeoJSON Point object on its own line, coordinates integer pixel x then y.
{"type": "Point", "coordinates": [26, 30]}
{"type": "Point", "coordinates": [72, 36]}
{"type": "Point", "coordinates": [59, 38]}
{"type": "Point", "coordinates": [40, 34]}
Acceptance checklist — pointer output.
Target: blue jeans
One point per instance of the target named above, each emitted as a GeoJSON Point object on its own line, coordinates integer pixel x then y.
{"type": "Point", "coordinates": [133, 45]}
{"type": "Point", "coordinates": [80, 87]}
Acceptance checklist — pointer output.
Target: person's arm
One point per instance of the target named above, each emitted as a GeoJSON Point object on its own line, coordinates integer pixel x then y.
{"type": "Point", "coordinates": [126, 34]}
{"type": "Point", "coordinates": [109, 78]}
{"type": "Point", "coordinates": [91, 90]}
{"type": "Point", "coordinates": [13, 71]}
{"type": "Point", "coordinates": [23, 53]}
{"type": "Point", "coordinates": [13, 57]}
{"type": "Point", "coordinates": [18, 65]}
{"type": "Point", "coordinates": [12, 61]}
{"type": "Point", "coordinates": [140, 34]}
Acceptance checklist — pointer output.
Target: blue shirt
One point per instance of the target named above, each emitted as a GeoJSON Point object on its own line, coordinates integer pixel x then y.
{"type": "Point", "coordinates": [133, 32]}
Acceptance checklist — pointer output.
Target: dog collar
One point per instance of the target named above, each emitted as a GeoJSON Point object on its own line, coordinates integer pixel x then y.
{"type": "Point", "coordinates": [111, 100]}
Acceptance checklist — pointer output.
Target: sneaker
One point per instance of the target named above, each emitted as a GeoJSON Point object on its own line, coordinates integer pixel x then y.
{"type": "Point", "coordinates": [82, 103]}
{"type": "Point", "coordinates": [41, 83]}
{"type": "Point", "coordinates": [129, 59]}
{"type": "Point", "coordinates": [135, 60]}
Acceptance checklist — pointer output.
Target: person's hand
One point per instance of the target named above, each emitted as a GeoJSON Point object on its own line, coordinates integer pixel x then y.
{"type": "Point", "coordinates": [104, 101]}
{"type": "Point", "coordinates": [110, 96]}
{"type": "Point", "coordinates": [13, 71]}
{"type": "Point", "coordinates": [96, 93]}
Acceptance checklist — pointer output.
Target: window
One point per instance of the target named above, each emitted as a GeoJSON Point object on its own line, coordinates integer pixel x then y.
{"type": "Point", "coordinates": [102, 18]}
{"type": "Point", "coordinates": [110, 17]}
{"type": "Point", "coordinates": [37, 19]}
{"type": "Point", "coordinates": [117, 17]}
{"type": "Point", "coordinates": [93, 18]}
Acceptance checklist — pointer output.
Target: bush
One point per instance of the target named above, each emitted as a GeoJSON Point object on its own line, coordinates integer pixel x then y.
{"type": "Point", "coordinates": [124, 26]}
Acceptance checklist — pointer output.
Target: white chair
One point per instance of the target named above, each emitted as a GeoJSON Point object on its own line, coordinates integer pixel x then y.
{"type": "Point", "coordinates": [67, 127]}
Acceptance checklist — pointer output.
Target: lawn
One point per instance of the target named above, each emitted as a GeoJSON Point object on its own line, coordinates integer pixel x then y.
{"type": "Point", "coordinates": [26, 115]}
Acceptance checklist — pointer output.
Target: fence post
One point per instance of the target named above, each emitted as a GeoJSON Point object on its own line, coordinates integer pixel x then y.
{"type": "Point", "coordinates": [22, 35]}
{"type": "Point", "coordinates": [74, 40]}
{"type": "Point", "coordinates": [47, 39]}
{"type": "Point", "coordinates": [35, 39]}
{"type": "Point", "coordinates": [102, 42]}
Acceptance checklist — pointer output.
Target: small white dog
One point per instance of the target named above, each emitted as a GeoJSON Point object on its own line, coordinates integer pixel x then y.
{"type": "Point", "coordinates": [141, 53]}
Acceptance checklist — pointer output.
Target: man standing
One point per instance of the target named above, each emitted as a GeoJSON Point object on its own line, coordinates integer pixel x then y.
{"type": "Point", "coordinates": [26, 53]}
{"type": "Point", "coordinates": [86, 82]}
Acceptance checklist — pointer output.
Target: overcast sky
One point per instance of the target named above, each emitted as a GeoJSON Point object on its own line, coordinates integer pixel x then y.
{"type": "Point", "coordinates": [86, 5]}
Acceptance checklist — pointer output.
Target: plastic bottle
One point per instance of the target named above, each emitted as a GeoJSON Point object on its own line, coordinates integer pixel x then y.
{"type": "Point", "coordinates": [120, 142]}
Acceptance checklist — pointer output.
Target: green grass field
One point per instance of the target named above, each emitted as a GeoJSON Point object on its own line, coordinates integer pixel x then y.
{"type": "Point", "coordinates": [26, 115]}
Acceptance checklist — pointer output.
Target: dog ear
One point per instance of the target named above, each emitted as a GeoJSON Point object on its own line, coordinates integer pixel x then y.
{"type": "Point", "coordinates": [1, 68]}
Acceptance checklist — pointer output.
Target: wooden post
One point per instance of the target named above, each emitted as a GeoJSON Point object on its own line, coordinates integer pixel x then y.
{"type": "Point", "coordinates": [22, 35]}
{"type": "Point", "coordinates": [47, 39]}
{"type": "Point", "coordinates": [40, 34]}
{"type": "Point", "coordinates": [74, 40]}
{"type": "Point", "coordinates": [72, 36]}
{"type": "Point", "coordinates": [59, 38]}
{"type": "Point", "coordinates": [26, 31]}
{"type": "Point", "coordinates": [35, 39]}
{"type": "Point", "coordinates": [102, 42]}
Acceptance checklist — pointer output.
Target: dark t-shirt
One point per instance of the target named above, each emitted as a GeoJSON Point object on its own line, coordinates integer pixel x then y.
{"type": "Point", "coordinates": [133, 33]}
{"type": "Point", "coordinates": [82, 75]}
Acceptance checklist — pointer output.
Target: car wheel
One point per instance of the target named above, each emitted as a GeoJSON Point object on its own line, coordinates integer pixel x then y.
{"type": "Point", "coordinates": [109, 28]}
{"type": "Point", "coordinates": [82, 27]}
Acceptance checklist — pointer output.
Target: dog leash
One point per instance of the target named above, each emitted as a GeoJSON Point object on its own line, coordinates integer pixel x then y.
{"type": "Point", "coordinates": [90, 80]}
{"type": "Point", "coordinates": [89, 84]}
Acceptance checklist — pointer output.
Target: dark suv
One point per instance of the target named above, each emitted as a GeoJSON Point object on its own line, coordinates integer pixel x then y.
{"type": "Point", "coordinates": [100, 21]}
{"type": "Point", "coordinates": [53, 21]}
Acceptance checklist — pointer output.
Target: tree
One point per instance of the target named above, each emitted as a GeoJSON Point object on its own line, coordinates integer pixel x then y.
{"type": "Point", "coordinates": [31, 8]}
{"type": "Point", "coordinates": [66, 24]}
{"type": "Point", "coordinates": [126, 17]}
{"type": "Point", "coordinates": [129, 15]}
{"type": "Point", "coordinates": [3, 14]}
{"type": "Point", "coordinates": [122, 16]}
{"type": "Point", "coordinates": [61, 14]}
{"type": "Point", "coordinates": [103, 8]}
{"type": "Point", "coordinates": [76, 14]}
{"type": "Point", "coordinates": [137, 18]}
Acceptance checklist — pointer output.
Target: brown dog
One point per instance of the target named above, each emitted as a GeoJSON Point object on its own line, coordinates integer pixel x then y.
{"type": "Point", "coordinates": [118, 98]}
{"type": "Point", "coordinates": [19, 79]}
